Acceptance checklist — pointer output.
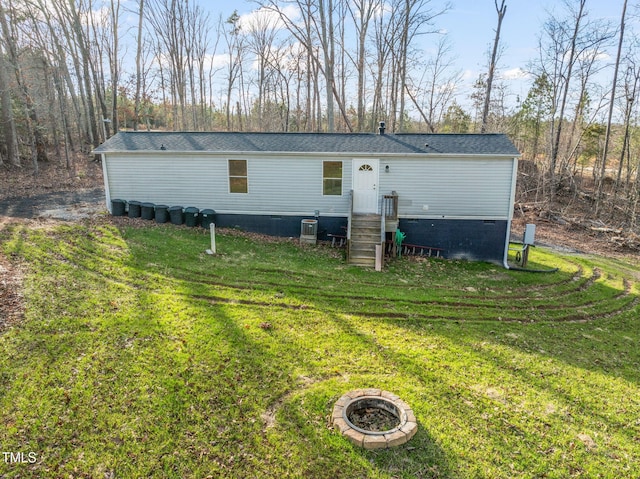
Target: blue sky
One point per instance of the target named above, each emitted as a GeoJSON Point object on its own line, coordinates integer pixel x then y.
{"type": "Point", "coordinates": [470, 25]}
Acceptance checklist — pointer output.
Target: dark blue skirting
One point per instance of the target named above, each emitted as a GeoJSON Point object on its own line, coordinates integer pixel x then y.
{"type": "Point", "coordinates": [474, 240]}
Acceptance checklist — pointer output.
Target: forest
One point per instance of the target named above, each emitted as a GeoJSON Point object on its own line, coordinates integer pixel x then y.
{"type": "Point", "coordinates": [73, 72]}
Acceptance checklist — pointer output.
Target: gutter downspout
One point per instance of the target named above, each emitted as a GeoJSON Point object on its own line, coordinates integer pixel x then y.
{"type": "Point", "coordinates": [514, 179]}
{"type": "Point", "coordinates": [349, 220]}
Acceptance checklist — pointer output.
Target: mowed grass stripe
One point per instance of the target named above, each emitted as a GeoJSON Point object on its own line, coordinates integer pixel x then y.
{"type": "Point", "coordinates": [140, 356]}
{"type": "Point", "coordinates": [580, 297]}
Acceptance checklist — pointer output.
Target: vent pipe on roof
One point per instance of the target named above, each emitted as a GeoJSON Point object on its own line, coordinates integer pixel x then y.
{"type": "Point", "coordinates": [381, 128]}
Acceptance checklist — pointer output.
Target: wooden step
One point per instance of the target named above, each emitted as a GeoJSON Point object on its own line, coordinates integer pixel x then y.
{"type": "Point", "coordinates": [365, 235]}
{"type": "Point", "coordinates": [365, 262]}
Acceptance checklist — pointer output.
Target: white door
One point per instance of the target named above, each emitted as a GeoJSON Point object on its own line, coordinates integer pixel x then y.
{"type": "Point", "coordinates": [365, 186]}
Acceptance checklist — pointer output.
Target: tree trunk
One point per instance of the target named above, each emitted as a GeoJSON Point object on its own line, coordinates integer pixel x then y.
{"type": "Point", "coordinates": [563, 103]}
{"type": "Point", "coordinates": [326, 36]}
{"type": "Point", "coordinates": [37, 141]}
{"type": "Point", "coordinates": [607, 135]}
{"type": "Point", "coordinates": [502, 10]}
{"type": "Point", "coordinates": [8, 123]}
{"type": "Point", "coordinates": [136, 99]}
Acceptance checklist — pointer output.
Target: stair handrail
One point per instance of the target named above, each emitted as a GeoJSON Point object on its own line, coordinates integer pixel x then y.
{"type": "Point", "coordinates": [349, 219]}
{"type": "Point", "coordinates": [390, 206]}
{"type": "Point", "coordinates": [350, 215]}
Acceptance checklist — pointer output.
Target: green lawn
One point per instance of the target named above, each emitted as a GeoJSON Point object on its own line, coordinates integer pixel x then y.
{"type": "Point", "coordinates": [141, 356]}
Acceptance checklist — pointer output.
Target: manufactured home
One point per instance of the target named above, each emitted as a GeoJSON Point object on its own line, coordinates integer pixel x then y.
{"type": "Point", "coordinates": [453, 193]}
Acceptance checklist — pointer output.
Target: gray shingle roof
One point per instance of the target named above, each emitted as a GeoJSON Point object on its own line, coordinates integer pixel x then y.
{"type": "Point", "coordinates": [450, 144]}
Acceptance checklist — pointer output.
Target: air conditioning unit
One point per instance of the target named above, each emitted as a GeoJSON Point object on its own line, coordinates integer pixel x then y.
{"type": "Point", "coordinates": [309, 231]}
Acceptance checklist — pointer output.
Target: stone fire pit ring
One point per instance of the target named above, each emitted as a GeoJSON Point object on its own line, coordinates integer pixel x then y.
{"type": "Point", "coordinates": [405, 430]}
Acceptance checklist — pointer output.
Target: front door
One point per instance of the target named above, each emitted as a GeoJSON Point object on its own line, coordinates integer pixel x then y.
{"type": "Point", "coordinates": [365, 186]}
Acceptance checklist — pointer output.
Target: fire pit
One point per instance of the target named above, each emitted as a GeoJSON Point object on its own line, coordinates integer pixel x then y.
{"type": "Point", "coordinates": [374, 419]}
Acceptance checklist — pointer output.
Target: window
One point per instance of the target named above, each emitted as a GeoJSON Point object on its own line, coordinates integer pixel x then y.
{"type": "Point", "coordinates": [238, 182]}
{"type": "Point", "coordinates": [332, 178]}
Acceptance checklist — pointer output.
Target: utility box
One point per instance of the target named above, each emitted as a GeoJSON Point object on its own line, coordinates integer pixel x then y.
{"type": "Point", "coordinates": [309, 231]}
{"type": "Point", "coordinates": [529, 234]}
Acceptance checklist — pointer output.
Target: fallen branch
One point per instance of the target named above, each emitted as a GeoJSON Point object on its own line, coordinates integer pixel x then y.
{"type": "Point", "coordinates": [604, 229]}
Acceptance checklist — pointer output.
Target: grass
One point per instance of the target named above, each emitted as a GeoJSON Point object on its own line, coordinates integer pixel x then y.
{"type": "Point", "coordinates": [141, 356]}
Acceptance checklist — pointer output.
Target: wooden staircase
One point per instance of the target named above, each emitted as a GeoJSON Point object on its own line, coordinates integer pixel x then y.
{"type": "Point", "coordinates": [364, 232]}
{"type": "Point", "coordinates": [365, 235]}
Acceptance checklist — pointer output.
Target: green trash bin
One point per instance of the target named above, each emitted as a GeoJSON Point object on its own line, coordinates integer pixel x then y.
{"type": "Point", "coordinates": [162, 213]}
{"type": "Point", "coordinates": [191, 216]}
{"type": "Point", "coordinates": [134, 209]}
{"type": "Point", "coordinates": [118, 207]}
{"type": "Point", "coordinates": [175, 214]}
{"type": "Point", "coordinates": [207, 217]}
{"type": "Point", "coordinates": [147, 211]}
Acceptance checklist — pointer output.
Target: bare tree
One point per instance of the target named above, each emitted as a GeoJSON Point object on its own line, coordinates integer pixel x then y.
{"type": "Point", "coordinates": [435, 90]}
{"type": "Point", "coordinates": [631, 84]}
{"type": "Point", "coordinates": [501, 10]}
{"type": "Point", "coordinates": [262, 32]}
{"type": "Point", "coordinates": [395, 35]}
{"type": "Point", "coordinates": [167, 20]}
{"type": "Point", "coordinates": [196, 39]}
{"type": "Point", "coordinates": [139, 67]}
{"type": "Point", "coordinates": [70, 10]}
{"type": "Point", "coordinates": [35, 139]}
{"type": "Point", "coordinates": [566, 46]}
{"type": "Point", "coordinates": [230, 31]}
{"type": "Point", "coordinates": [6, 108]}
{"type": "Point", "coordinates": [362, 12]}
{"type": "Point", "coordinates": [316, 27]}
{"type": "Point", "coordinates": [607, 136]}
{"type": "Point", "coordinates": [114, 60]}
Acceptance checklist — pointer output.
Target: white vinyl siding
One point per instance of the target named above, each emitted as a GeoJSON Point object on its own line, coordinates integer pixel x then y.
{"type": "Point", "coordinates": [290, 185]}
{"type": "Point", "coordinates": [449, 187]}
{"type": "Point", "coordinates": [164, 179]}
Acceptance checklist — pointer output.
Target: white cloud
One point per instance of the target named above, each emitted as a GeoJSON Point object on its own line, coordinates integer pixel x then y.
{"type": "Point", "coordinates": [470, 75]}
{"type": "Point", "coordinates": [515, 74]}
{"type": "Point", "coordinates": [220, 60]}
{"type": "Point", "coordinates": [265, 18]}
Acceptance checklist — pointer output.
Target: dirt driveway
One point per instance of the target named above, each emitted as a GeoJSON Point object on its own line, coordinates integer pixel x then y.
{"type": "Point", "coordinates": [64, 205]}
